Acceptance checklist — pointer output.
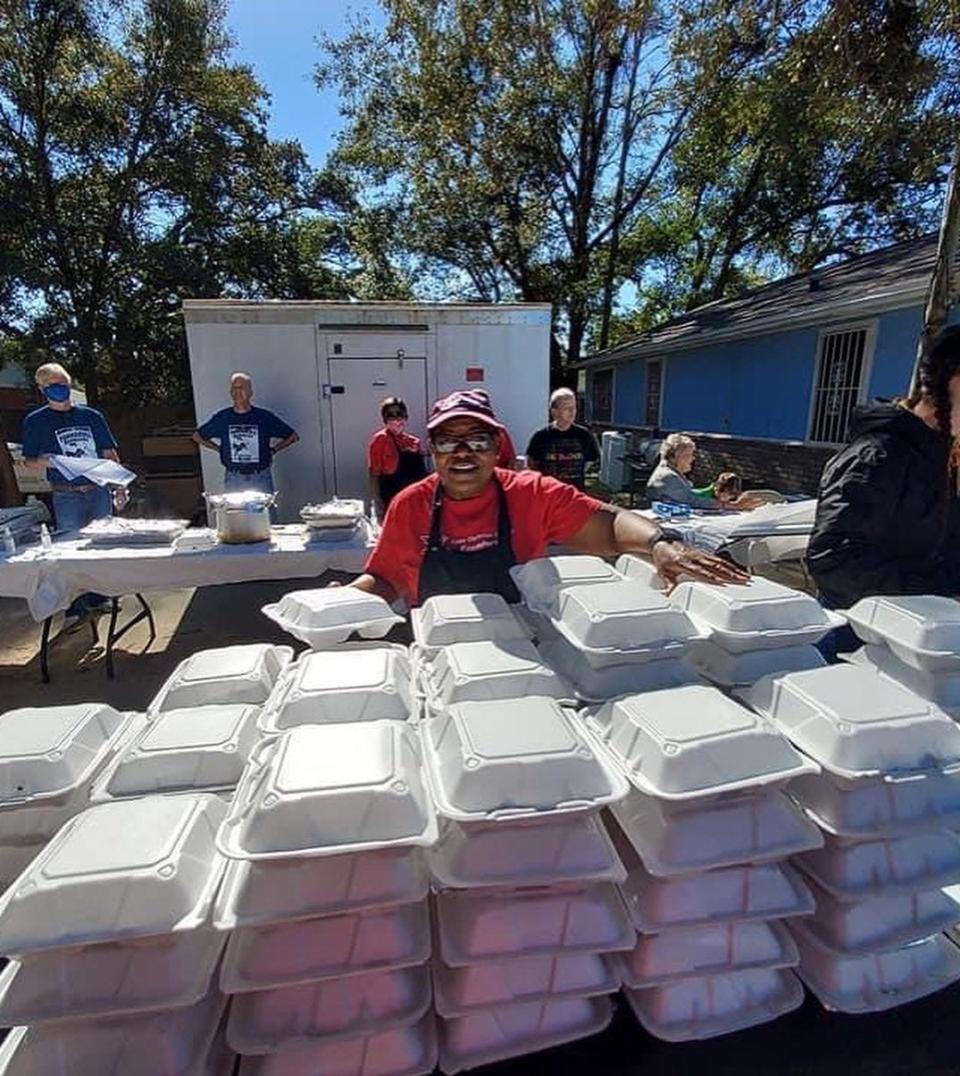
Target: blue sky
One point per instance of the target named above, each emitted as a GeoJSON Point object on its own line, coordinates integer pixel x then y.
{"type": "Point", "coordinates": [277, 38]}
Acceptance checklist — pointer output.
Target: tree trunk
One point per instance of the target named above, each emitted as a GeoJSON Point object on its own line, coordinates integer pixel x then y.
{"type": "Point", "coordinates": [939, 294]}
{"type": "Point", "coordinates": [88, 361]}
{"type": "Point", "coordinates": [10, 495]}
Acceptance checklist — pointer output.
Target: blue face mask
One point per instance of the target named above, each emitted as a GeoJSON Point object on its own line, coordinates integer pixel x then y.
{"type": "Point", "coordinates": [57, 393]}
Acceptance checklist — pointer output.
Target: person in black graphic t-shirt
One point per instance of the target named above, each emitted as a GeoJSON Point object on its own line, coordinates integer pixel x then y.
{"type": "Point", "coordinates": [563, 449]}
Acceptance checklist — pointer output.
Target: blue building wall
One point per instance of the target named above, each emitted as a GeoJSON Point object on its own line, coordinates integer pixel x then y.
{"type": "Point", "coordinates": [630, 393]}
{"type": "Point", "coordinates": [896, 348]}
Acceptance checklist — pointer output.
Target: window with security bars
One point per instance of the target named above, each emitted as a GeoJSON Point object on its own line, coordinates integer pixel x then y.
{"type": "Point", "coordinates": [840, 372]}
{"type": "Point", "coordinates": [602, 397]}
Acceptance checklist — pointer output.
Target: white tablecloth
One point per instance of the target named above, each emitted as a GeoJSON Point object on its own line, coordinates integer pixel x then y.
{"type": "Point", "coordinates": [50, 580]}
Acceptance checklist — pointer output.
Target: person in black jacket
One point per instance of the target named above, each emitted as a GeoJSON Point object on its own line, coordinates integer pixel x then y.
{"type": "Point", "coordinates": [884, 499]}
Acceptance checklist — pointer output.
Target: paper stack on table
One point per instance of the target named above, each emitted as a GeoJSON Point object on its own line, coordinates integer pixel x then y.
{"type": "Point", "coordinates": [99, 471]}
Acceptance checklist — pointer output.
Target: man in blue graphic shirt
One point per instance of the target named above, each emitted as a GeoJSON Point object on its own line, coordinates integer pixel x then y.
{"type": "Point", "coordinates": [246, 437]}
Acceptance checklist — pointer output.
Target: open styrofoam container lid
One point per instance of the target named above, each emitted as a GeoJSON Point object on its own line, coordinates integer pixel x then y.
{"type": "Point", "coordinates": [728, 670]}
{"type": "Point", "coordinates": [941, 687]}
{"type": "Point", "coordinates": [566, 849]}
{"type": "Point", "coordinates": [410, 1050]}
{"type": "Point", "coordinates": [514, 757]}
{"type": "Point", "coordinates": [852, 870]}
{"type": "Point", "coordinates": [714, 949]}
{"type": "Point", "coordinates": [228, 674]}
{"type": "Point", "coordinates": [473, 927]}
{"type": "Point", "coordinates": [279, 890]}
{"type": "Point", "coordinates": [329, 615]}
{"type": "Point", "coordinates": [541, 581]}
{"type": "Point", "coordinates": [754, 615]}
{"type": "Point", "coordinates": [459, 991]}
{"type": "Point", "coordinates": [745, 828]}
{"type": "Point", "coordinates": [704, 1008]}
{"type": "Point", "coordinates": [693, 741]}
{"type": "Point", "coordinates": [464, 618]}
{"type": "Point", "coordinates": [332, 686]}
{"type": "Point", "coordinates": [275, 1020]}
{"type": "Point", "coordinates": [754, 891]}
{"type": "Point", "coordinates": [855, 724]}
{"type": "Point", "coordinates": [923, 630]}
{"type": "Point", "coordinates": [641, 570]}
{"type": "Point", "coordinates": [195, 749]}
{"type": "Point", "coordinates": [473, 672]}
{"type": "Point", "coordinates": [499, 1033]}
{"type": "Point", "coordinates": [874, 982]}
{"type": "Point", "coordinates": [330, 789]}
{"type": "Point", "coordinates": [142, 976]}
{"type": "Point", "coordinates": [626, 616]}
{"type": "Point", "coordinates": [170, 1043]}
{"type": "Point", "coordinates": [48, 752]}
{"type": "Point", "coordinates": [119, 870]}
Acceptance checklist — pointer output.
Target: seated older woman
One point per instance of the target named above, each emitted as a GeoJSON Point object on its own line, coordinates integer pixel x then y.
{"type": "Point", "coordinates": [669, 481]}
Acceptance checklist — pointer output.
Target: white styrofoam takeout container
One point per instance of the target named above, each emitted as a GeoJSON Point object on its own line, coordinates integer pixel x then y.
{"type": "Point", "coordinates": [884, 922]}
{"type": "Point", "coordinates": [333, 947]}
{"type": "Point", "coordinates": [331, 686]}
{"type": "Point", "coordinates": [460, 991]}
{"type": "Point", "coordinates": [497, 1034]}
{"type": "Point", "coordinates": [401, 1051]}
{"type": "Point", "coordinates": [728, 670]}
{"type": "Point", "coordinates": [853, 870]}
{"type": "Point", "coordinates": [126, 869]}
{"type": "Point", "coordinates": [941, 687]}
{"type": "Point", "coordinates": [474, 927]}
{"type": "Point", "coordinates": [880, 806]}
{"type": "Point", "coordinates": [49, 757]}
{"type": "Point", "coordinates": [714, 949]}
{"type": "Point", "coordinates": [330, 615]}
{"type": "Point", "coordinates": [855, 724]}
{"type": "Point", "coordinates": [110, 979]}
{"type": "Point", "coordinates": [707, 1007]}
{"type": "Point", "coordinates": [542, 581]}
{"type": "Point", "coordinates": [219, 677]}
{"type": "Point", "coordinates": [171, 1043]}
{"type": "Point", "coordinates": [477, 672]}
{"type": "Point", "coordinates": [198, 749]}
{"type": "Point", "coordinates": [875, 982]}
{"type": "Point", "coordinates": [272, 1020]}
{"type": "Point", "coordinates": [922, 630]}
{"type": "Point", "coordinates": [733, 894]}
{"type": "Point", "coordinates": [329, 790]}
{"type": "Point", "coordinates": [571, 848]}
{"type": "Point", "coordinates": [464, 618]}
{"type": "Point", "coordinates": [514, 758]}
{"type": "Point", "coordinates": [280, 890]}
{"type": "Point", "coordinates": [759, 615]}
{"type": "Point", "coordinates": [748, 827]}
{"type": "Point", "coordinates": [639, 569]}
{"type": "Point", "coordinates": [693, 741]}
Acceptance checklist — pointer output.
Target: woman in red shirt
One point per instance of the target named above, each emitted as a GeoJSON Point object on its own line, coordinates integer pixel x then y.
{"type": "Point", "coordinates": [394, 457]}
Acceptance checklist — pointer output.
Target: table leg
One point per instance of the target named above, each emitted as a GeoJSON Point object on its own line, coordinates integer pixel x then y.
{"type": "Point", "coordinates": [44, 650]}
{"type": "Point", "coordinates": [113, 636]}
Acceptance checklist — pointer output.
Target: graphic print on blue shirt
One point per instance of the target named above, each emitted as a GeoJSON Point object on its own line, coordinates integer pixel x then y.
{"type": "Point", "coordinates": [81, 432]}
{"type": "Point", "coordinates": [244, 437]}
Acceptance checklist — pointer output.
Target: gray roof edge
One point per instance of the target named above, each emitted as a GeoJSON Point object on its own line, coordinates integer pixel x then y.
{"type": "Point", "coordinates": [207, 305]}
{"type": "Point", "coordinates": [893, 299]}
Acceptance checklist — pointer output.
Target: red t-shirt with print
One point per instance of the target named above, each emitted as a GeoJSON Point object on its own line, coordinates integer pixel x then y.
{"type": "Point", "coordinates": [383, 456]}
{"type": "Point", "coordinates": [542, 510]}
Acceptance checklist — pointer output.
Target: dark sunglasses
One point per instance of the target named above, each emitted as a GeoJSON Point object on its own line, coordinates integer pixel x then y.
{"type": "Point", "coordinates": [475, 442]}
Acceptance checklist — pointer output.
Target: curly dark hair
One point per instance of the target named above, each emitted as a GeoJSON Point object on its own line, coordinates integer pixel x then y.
{"type": "Point", "coordinates": [940, 363]}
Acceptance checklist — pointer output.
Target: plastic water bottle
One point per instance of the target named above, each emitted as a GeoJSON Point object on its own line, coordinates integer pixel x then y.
{"type": "Point", "coordinates": [9, 543]}
{"type": "Point", "coordinates": [46, 542]}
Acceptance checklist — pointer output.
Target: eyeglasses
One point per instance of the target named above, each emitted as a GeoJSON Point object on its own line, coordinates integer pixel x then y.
{"type": "Point", "coordinates": [474, 442]}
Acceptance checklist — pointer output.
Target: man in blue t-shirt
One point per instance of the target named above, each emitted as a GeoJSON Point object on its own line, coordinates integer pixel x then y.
{"type": "Point", "coordinates": [62, 428]}
{"type": "Point", "coordinates": [246, 437]}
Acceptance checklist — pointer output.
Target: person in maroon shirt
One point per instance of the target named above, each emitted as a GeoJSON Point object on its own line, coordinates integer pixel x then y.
{"type": "Point", "coordinates": [462, 529]}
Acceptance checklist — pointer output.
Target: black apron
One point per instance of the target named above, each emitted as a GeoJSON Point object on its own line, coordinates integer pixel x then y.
{"type": "Point", "coordinates": [410, 469]}
{"type": "Point", "coordinates": [455, 571]}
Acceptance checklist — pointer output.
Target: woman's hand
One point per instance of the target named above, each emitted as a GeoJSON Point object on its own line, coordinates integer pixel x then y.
{"type": "Point", "coordinates": [675, 561]}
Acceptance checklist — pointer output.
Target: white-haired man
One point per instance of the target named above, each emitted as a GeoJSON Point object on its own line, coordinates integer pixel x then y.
{"type": "Point", "coordinates": [563, 448]}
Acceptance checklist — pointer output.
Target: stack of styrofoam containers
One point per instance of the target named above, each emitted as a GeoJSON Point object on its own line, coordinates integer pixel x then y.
{"type": "Point", "coordinates": [705, 832]}
{"type": "Point", "coordinates": [114, 955]}
{"type": "Point", "coordinates": [526, 909]}
{"type": "Point", "coordinates": [887, 799]}
{"type": "Point", "coordinates": [49, 759]}
{"type": "Point", "coordinates": [328, 616]}
{"type": "Point", "coordinates": [325, 900]}
{"type": "Point", "coordinates": [753, 630]}
{"type": "Point", "coordinates": [607, 634]}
